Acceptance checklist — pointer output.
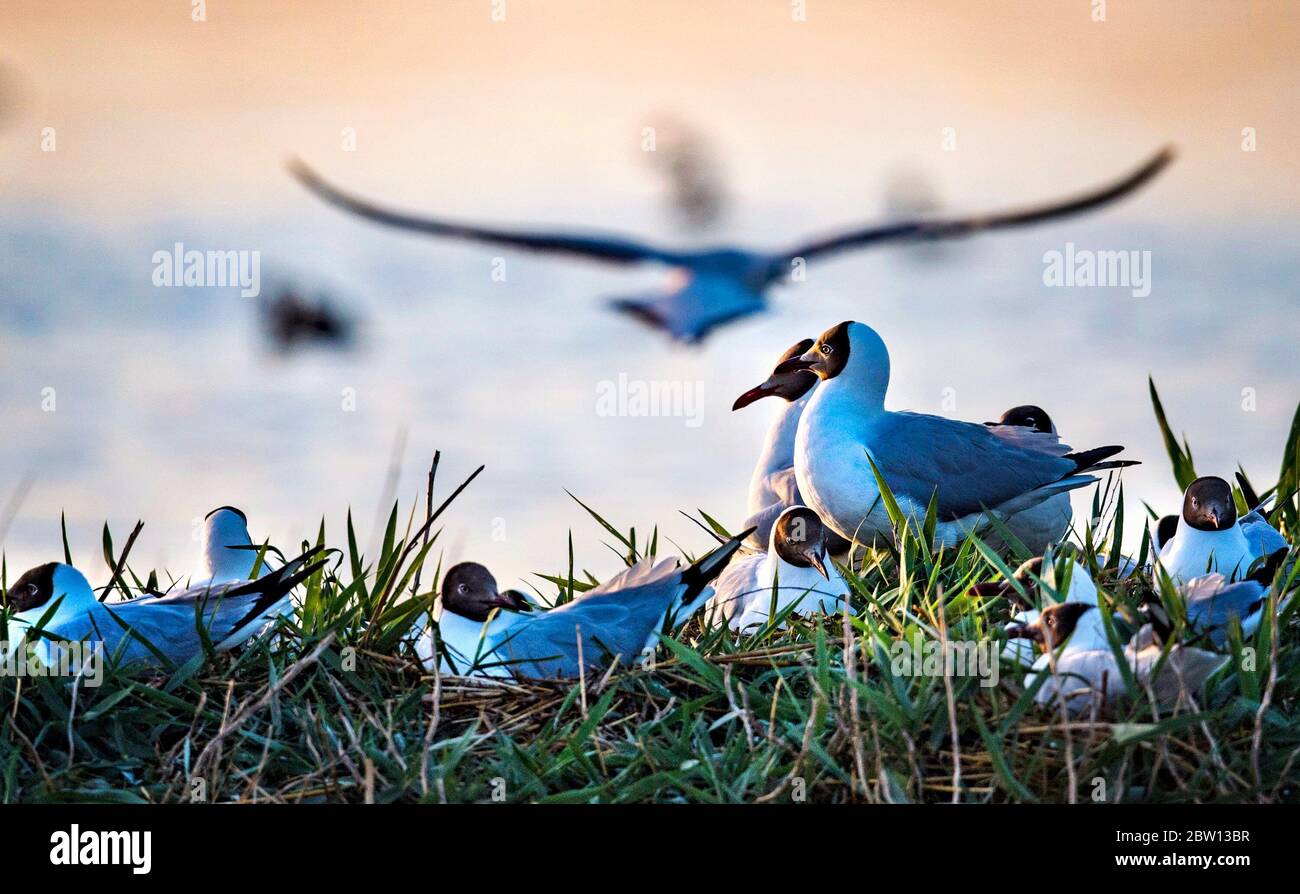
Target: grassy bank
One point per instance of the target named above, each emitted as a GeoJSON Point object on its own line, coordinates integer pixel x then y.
{"type": "Point", "coordinates": [335, 707]}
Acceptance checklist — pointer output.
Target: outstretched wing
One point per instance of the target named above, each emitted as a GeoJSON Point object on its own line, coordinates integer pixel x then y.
{"type": "Point", "coordinates": [949, 228]}
{"type": "Point", "coordinates": [916, 453]}
{"type": "Point", "coordinates": [598, 247]}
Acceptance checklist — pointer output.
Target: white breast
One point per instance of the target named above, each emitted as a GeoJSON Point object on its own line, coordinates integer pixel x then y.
{"type": "Point", "coordinates": [1190, 553]}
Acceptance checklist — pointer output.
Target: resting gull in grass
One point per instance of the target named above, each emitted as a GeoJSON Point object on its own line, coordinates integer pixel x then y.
{"type": "Point", "coordinates": [485, 632]}
{"type": "Point", "coordinates": [970, 470]}
{"type": "Point", "coordinates": [226, 551]}
{"type": "Point", "coordinates": [1211, 603]}
{"type": "Point", "coordinates": [1045, 524]}
{"type": "Point", "coordinates": [714, 286]}
{"type": "Point", "coordinates": [795, 573]}
{"type": "Point", "coordinates": [1209, 537]}
{"type": "Point", "coordinates": [1085, 673]}
{"type": "Point", "coordinates": [57, 600]}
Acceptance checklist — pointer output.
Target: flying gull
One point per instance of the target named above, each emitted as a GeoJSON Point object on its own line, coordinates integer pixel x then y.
{"type": "Point", "coordinates": [717, 285]}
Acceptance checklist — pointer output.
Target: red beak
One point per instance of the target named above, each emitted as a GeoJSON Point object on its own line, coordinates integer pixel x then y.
{"type": "Point", "coordinates": [757, 393]}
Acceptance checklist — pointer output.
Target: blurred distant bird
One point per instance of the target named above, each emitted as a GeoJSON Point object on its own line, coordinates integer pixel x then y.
{"type": "Point", "coordinates": [293, 321]}
{"type": "Point", "coordinates": [714, 286]}
{"type": "Point", "coordinates": [694, 177]}
{"type": "Point", "coordinates": [910, 194]}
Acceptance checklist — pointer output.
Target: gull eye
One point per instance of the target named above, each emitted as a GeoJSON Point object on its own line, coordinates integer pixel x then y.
{"type": "Point", "coordinates": [827, 350]}
{"type": "Point", "coordinates": [1195, 503]}
{"type": "Point", "coordinates": [461, 588]}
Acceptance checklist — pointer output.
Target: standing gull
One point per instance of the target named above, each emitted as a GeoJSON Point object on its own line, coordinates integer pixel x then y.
{"type": "Point", "coordinates": [796, 572]}
{"type": "Point", "coordinates": [714, 286]}
{"type": "Point", "coordinates": [482, 634]}
{"type": "Point", "coordinates": [970, 470]}
{"type": "Point", "coordinates": [772, 487]}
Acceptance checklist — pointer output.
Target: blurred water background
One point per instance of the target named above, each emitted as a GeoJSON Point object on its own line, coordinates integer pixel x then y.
{"type": "Point", "coordinates": [169, 402]}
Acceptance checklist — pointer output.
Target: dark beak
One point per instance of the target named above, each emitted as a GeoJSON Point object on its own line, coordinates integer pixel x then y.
{"type": "Point", "coordinates": [767, 389]}
{"type": "Point", "coordinates": [1025, 631]}
{"type": "Point", "coordinates": [818, 562]}
{"type": "Point", "coordinates": [784, 370]}
{"type": "Point", "coordinates": [512, 600]}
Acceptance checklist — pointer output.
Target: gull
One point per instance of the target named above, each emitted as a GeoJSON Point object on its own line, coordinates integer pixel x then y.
{"type": "Point", "coordinates": [482, 633]}
{"type": "Point", "coordinates": [714, 286]}
{"type": "Point", "coordinates": [55, 600]}
{"type": "Point", "coordinates": [1084, 674]}
{"type": "Point", "coordinates": [1208, 537]}
{"type": "Point", "coordinates": [1021, 650]}
{"type": "Point", "coordinates": [971, 470]}
{"type": "Point", "coordinates": [226, 552]}
{"type": "Point", "coordinates": [1045, 524]}
{"type": "Point", "coordinates": [1211, 603]}
{"type": "Point", "coordinates": [1262, 538]}
{"type": "Point", "coordinates": [772, 487]}
{"type": "Point", "coordinates": [794, 574]}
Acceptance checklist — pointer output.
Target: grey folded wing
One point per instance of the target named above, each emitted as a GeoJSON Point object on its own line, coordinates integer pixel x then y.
{"type": "Point", "coordinates": [971, 467]}
{"type": "Point", "coordinates": [1030, 439]}
{"type": "Point", "coordinates": [172, 624]}
{"type": "Point", "coordinates": [1212, 603]}
{"type": "Point", "coordinates": [608, 625]}
{"type": "Point", "coordinates": [1263, 538]}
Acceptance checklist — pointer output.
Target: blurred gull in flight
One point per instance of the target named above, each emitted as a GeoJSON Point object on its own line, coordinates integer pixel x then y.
{"type": "Point", "coordinates": [714, 286]}
{"type": "Point", "coordinates": [292, 321]}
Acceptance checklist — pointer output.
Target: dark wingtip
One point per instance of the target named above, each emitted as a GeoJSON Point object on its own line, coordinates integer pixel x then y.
{"type": "Point", "coordinates": [1086, 460]}
{"type": "Point", "coordinates": [233, 509]}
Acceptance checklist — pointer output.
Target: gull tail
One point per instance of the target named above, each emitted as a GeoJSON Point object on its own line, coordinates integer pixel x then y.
{"type": "Point", "coordinates": [698, 577]}
{"type": "Point", "coordinates": [1091, 460]}
{"type": "Point", "coordinates": [275, 587]}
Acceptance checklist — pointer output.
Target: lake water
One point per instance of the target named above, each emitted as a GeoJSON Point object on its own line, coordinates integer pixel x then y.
{"type": "Point", "coordinates": [167, 402]}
